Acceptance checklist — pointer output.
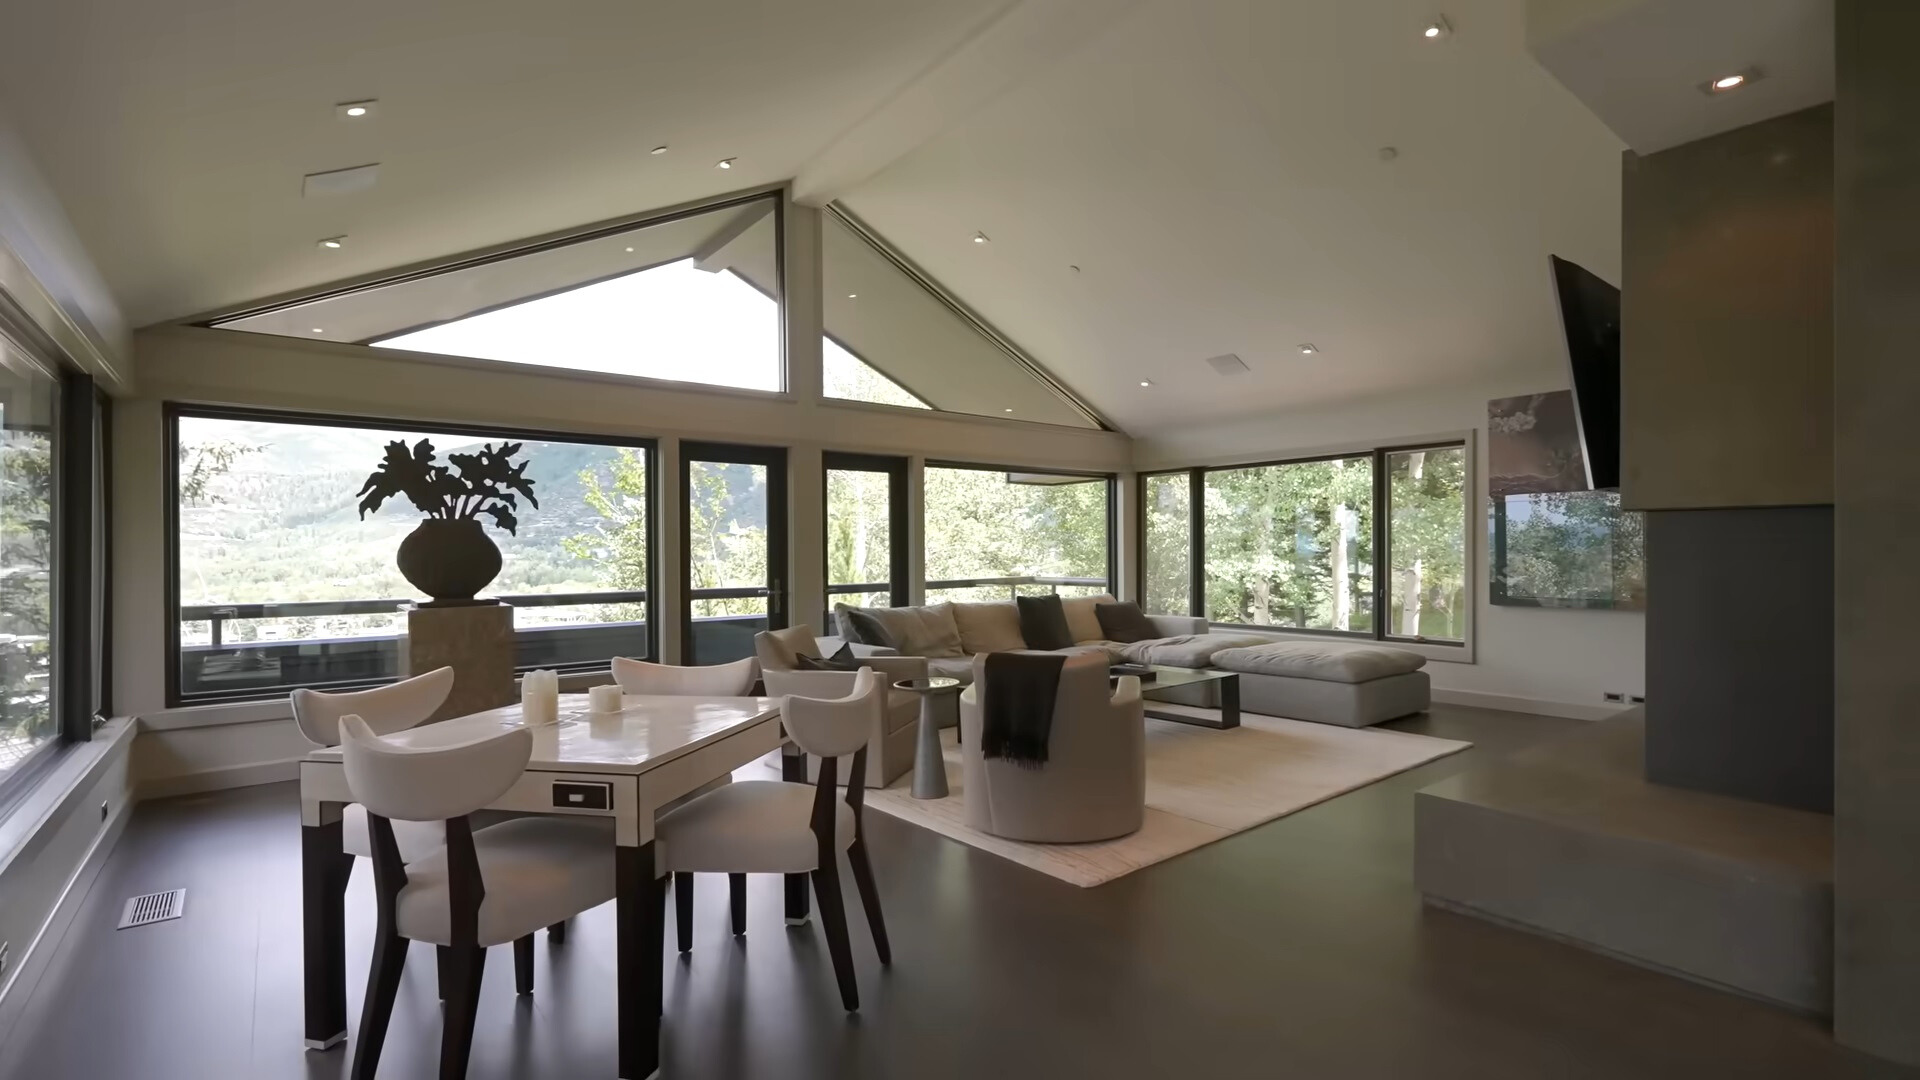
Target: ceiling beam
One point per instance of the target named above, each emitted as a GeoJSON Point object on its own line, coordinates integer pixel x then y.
{"type": "Point", "coordinates": [1021, 40]}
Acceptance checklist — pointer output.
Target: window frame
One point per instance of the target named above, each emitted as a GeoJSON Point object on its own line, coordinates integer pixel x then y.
{"type": "Point", "coordinates": [899, 564]}
{"type": "Point", "coordinates": [1379, 454]}
{"type": "Point", "coordinates": [776, 195]}
{"type": "Point", "coordinates": [1112, 515]}
{"type": "Point", "coordinates": [779, 589]}
{"type": "Point", "coordinates": [78, 678]}
{"type": "Point", "coordinates": [173, 411]}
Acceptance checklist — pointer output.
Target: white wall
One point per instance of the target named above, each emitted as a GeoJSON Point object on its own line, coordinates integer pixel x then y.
{"type": "Point", "coordinates": [1534, 659]}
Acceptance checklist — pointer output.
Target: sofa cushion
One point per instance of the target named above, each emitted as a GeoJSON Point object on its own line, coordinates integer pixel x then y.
{"type": "Point", "coordinates": [1083, 619]}
{"type": "Point", "coordinates": [859, 626]}
{"type": "Point", "coordinates": [912, 631]}
{"type": "Point", "coordinates": [1327, 661]}
{"type": "Point", "coordinates": [844, 660]}
{"type": "Point", "coordinates": [1188, 650]}
{"type": "Point", "coordinates": [953, 667]}
{"type": "Point", "coordinates": [1125, 623]}
{"type": "Point", "coordinates": [1043, 622]}
{"type": "Point", "coordinates": [985, 628]}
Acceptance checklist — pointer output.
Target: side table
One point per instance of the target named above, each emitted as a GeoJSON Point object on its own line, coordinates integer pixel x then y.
{"type": "Point", "coordinates": [929, 768]}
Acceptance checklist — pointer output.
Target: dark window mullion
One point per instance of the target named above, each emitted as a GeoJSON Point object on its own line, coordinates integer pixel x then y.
{"type": "Point", "coordinates": [1197, 543]}
{"type": "Point", "coordinates": [1382, 547]}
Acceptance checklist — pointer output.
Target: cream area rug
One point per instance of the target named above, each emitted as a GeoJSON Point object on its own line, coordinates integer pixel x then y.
{"type": "Point", "coordinates": [1202, 785]}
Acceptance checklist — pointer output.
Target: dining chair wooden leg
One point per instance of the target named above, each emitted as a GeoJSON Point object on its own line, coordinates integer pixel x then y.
{"type": "Point", "coordinates": [557, 933]}
{"type": "Point", "coordinates": [442, 958]}
{"type": "Point", "coordinates": [383, 985]}
{"type": "Point", "coordinates": [523, 964]}
{"type": "Point", "coordinates": [737, 902]}
{"type": "Point", "coordinates": [833, 918]}
{"type": "Point", "coordinates": [463, 1007]}
{"type": "Point", "coordinates": [683, 911]}
{"type": "Point", "coordinates": [869, 898]}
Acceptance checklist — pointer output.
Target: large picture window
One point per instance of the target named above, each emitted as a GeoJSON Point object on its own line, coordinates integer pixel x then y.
{"type": "Point", "coordinates": [29, 408]}
{"type": "Point", "coordinates": [992, 534]}
{"type": "Point", "coordinates": [692, 297]}
{"type": "Point", "coordinates": [278, 582]}
{"type": "Point", "coordinates": [1369, 544]}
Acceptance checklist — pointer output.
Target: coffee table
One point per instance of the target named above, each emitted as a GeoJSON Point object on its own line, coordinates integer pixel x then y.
{"type": "Point", "coordinates": [1221, 689]}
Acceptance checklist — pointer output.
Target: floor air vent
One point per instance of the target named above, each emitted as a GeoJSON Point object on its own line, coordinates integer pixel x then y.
{"type": "Point", "coordinates": [153, 908]}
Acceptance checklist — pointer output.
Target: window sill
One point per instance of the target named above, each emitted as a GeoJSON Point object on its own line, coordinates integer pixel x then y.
{"type": "Point", "coordinates": [78, 767]}
{"type": "Point", "coordinates": [269, 710]}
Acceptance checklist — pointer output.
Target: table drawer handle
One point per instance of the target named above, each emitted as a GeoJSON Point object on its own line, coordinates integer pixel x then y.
{"type": "Point", "coordinates": [579, 795]}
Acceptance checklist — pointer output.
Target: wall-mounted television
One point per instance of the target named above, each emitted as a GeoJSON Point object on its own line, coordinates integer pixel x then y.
{"type": "Point", "coordinates": [1590, 315]}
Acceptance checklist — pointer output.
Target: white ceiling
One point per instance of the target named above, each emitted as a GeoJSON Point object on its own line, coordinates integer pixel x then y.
{"type": "Point", "coordinates": [1212, 166]}
{"type": "Point", "coordinates": [1639, 64]}
{"type": "Point", "coordinates": [177, 131]}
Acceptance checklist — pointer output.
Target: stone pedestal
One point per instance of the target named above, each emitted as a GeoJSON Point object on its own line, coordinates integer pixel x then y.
{"type": "Point", "coordinates": [476, 641]}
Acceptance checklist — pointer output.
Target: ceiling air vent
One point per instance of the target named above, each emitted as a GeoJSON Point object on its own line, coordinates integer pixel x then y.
{"type": "Point", "coordinates": [1227, 364]}
{"type": "Point", "coordinates": [153, 908]}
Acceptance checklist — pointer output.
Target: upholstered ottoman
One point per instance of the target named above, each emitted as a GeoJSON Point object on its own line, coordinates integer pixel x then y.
{"type": "Point", "coordinates": [1328, 682]}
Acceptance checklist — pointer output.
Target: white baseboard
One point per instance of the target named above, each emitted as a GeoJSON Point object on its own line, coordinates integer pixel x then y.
{"type": "Point", "coordinates": [1538, 706]}
{"type": "Point", "coordinates": [231, 776]}
{"type": "Point", "coordinates": [17, 993]}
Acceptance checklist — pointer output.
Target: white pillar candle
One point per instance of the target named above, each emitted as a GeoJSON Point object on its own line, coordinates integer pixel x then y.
{"type": "Point", "coordinates": [604, 699]}
{"type": "Point", "coordinates": [540, 698]}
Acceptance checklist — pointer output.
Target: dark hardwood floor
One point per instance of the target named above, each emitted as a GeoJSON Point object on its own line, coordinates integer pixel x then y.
{"type": "Point", "coordinates": [1296, 949]}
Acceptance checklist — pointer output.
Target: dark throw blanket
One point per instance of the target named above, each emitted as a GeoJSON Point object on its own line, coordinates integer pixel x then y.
{"type": "Point", "coordinates": [1016, 712]}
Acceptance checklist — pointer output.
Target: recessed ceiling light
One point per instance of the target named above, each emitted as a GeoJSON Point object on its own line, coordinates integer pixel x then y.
{"type": "Point", "coordinates": [354, 110]}
{"type": "Point", "coordinates": [1146, 382]}
{"type": "Point", "coordinates": [1006, 410]}
{"type": "Point", "coordinates": [1732, 80]}
{"type": "Point", "coordinates": [334, 243]}
{"type": "Point", "coordinates": [1436, 29]}
{"type": "Point", "coordinates": [724, 163]}
{"type": "Point", "coordinates": [1073, 268]}
{"type": "Point", "coordinates": [853, 296]}
{"type": "Point", "coordinates": [319, 330]}
{"type": "Point", "coordinates": [657, 151]}
{"type": "Point", "coordinates": [981, 238]}
{"type": "Point", "coordinates": [629, 251]}
{"type": "Point", "coordinates": [1308, 348]}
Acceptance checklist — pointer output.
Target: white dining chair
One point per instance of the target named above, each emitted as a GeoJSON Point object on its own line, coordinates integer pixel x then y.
{"type": "Point", "coordinates": [710, 680]}
{"type": "Point", "coordinates": [735, 679]}
{"type": "Point", "coordinates": [386, 709]}
{"type": "Point", "coordinates": [782, 827]}
{"type": "Point", "coordinates": [483, 888]}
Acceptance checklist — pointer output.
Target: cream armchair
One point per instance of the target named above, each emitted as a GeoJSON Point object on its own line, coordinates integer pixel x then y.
{"type": "Point", "coordinates": [1094, 783]}
{"type": "Point", "coordinates": [892, 743]}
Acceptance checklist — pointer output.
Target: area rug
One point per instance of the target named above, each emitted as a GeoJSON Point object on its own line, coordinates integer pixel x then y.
{"type": "Point", "coordinates": [1202, 785]}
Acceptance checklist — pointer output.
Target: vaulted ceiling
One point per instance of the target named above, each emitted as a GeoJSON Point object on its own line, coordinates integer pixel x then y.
{"type": "Point", "coordinates": [1162, 180]}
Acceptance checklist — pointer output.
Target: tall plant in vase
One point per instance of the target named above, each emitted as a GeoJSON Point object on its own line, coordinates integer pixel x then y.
{"type": "Point", "coordinates": [448, 555]}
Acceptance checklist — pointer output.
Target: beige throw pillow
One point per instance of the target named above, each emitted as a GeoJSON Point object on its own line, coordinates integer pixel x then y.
{"type": "Point", "coordinates": [1083, 622]}
{"type": "Point", "coordinates": [920, 631]}
{"type": "Point", "coordinates": [985, 628]}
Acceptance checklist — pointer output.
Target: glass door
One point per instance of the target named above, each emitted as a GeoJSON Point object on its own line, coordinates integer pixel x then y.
{"type": "Point", "coordinates": [734, 548]}
{"type": "Point", "coordinates": [866, 531]}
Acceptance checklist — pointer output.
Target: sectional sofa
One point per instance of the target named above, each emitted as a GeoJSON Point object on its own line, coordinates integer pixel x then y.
{"type": "Point", "coordinates": [1322, 680]}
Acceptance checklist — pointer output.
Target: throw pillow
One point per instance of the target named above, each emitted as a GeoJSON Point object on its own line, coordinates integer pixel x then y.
{"type": "Point", "coordinates": [1043, 622]}
{"type": "Point", "coordinates": [988, 627]}
{"type": "Point", "coordinates": [1082, 622]}
{"type": "Point", "coordinates": [844, 660]}
{"type": "Point", "coordinates": [866, 629]}
{"type": "Point", "coordinates": [1125, 623]}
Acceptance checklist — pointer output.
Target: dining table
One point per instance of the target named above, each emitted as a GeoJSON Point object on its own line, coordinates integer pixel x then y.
{"type": "Point", "coordinates": [623, 765]}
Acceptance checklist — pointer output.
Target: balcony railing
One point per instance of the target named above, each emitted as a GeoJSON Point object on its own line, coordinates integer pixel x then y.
{"type": "Point", "coordinates": [1032, 583]}
{"type": "Point", "coordinates": [222, 668]}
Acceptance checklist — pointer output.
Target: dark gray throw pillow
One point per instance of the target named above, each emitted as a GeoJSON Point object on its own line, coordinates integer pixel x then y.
{"type": "Point", "coordinates": [1043, 622]}
{"type": "Point", "coordinates": [1125, 622]}
{"type": "Point", "coordinates": [867, 629]}
{"type": "Point", "coordinates": [844, 660]}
